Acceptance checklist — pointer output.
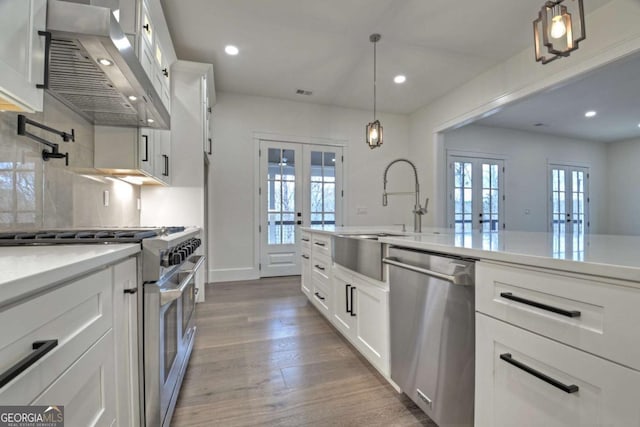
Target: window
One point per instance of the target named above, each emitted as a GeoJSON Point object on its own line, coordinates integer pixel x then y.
{"type": "Point", "coordinates": [323, 188]}
{"type": "Point", "coordinates": [17, 193]}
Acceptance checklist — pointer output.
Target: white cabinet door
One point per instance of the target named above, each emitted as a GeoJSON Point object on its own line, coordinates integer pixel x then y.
{"type": "Point", "coordinates": [146, 151]}
{"type": "Point", "coordinates": [162, 155]}
{"type": "Point", "coordinates": [87, 388]}
{"type": "Point", "coordinates": [125, 332]}
{"type": "Point", "coordinates": [22, 54]}
{"type": "Point", "coordinates": [514, 372]}
{"type": "Point", "coordinates": [344, 292]}
{"type": "Point", "coordinates": [370, 307]}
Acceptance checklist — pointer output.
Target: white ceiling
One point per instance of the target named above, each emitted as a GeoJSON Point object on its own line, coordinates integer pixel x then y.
{"type": "Point", "coordinates": [323, 45]}
{"type": "Point", "coordinates": [612, 91]}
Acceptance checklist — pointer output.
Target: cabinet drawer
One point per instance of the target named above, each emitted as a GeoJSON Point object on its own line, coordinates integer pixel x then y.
{"type": "Point", "coordinates": [586, 313]}
{"type": "Point", "coordinates": [87, 388]}
{"type": "Point", "coordinates": [321, 296]}
{"type": "Point", "coordinates": [76, 314]}
{"type": "Point", "coordinates": [599, 392]}
{"type": "Point", "coordinates": [321, 244]}
{"type": "Point", "coordinates": [305, 240]}
{"type": "Point", "coordinates": [321, 268]}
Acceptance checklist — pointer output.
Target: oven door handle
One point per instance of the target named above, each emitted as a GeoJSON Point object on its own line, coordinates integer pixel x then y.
{"type": "Point", "coordinates": [172, 294]}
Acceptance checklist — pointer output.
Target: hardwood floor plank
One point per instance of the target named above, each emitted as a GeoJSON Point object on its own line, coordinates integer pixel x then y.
{"type": "Point", "coordinates": [264, 356]}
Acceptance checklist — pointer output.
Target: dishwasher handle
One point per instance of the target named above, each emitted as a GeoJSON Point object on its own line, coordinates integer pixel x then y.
{"type": "Point", "coordinates": [454, 279]}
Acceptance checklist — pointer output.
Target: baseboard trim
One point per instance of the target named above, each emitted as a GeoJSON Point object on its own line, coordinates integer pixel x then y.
{"type": "Point", "coordinates": [233, 274]}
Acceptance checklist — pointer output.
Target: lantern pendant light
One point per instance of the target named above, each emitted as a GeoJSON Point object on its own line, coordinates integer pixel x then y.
{"type": "Point", "coordinates": [559, 28]}
{"type": "Point", "coordinates": [374, 129]}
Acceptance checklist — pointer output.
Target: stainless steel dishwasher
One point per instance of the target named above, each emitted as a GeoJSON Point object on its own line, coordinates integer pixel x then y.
{"type": "Point", "coordinates": [431, 304]}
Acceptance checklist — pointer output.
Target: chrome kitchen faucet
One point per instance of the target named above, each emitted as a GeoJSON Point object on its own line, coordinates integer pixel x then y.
{"type": "Point", "coordinates": [418, 210]}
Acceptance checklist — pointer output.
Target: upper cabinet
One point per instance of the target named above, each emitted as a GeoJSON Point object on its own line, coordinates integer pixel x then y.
{"type": "Point", "coordinates": [155, 49]}
{"type": "Point", "coordinates": [22, 54]}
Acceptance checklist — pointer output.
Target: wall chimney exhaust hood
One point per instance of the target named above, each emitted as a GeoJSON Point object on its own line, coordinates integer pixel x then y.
{"type": "Point", "coordinates": [93, 69]}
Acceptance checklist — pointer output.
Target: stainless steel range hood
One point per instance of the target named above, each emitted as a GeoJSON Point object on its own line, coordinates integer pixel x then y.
{"type": "Point", "coordinates": [94, 70]}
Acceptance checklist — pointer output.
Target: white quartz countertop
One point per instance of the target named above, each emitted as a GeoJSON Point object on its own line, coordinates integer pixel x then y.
{"type": "Point", "coordinates": [29, 269]}
{"type": "Point", "coordinates": [593, 254]}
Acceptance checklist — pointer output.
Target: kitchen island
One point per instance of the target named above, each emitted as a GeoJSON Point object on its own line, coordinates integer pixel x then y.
{"type": "Point", "coordinates": [555, 321]}
{"type": "Point", "coordinates": [68, 326]}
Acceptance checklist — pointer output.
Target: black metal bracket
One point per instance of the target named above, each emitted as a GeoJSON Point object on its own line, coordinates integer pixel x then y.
{"type": "Point", "coordinates": [23, 121]}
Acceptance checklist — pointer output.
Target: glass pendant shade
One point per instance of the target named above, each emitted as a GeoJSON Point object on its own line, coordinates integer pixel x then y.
{"type": "Point", "coordinates": [558, 29]}
{"type": "Point", "coordinates": [374, 134]}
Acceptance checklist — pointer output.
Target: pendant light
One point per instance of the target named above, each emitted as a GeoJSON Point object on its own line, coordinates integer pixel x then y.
{"type": "Point", "coordinates": [374, 129]}
{"type": "Point", "coordinates": [559, 28]}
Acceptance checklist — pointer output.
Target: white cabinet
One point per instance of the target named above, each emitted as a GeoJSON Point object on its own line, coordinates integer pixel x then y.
{"type": "Point", "coordinates": [22, 55]}
{"type": "Point", "coordinates": [321, 282]}
{"type": "Point", "coordinates": [89, 362]}
{"type": "Point", "coordinates": [125, 343]}
{"type": "Point", "coordinates": [523, 379]}
{"type": "Point", "coordinates": [305, 253]}
{"type": "Point", "coordinates": [144, 154]}
{"type": "Point", "coordinates": [555, 348]}
{"type": "Point", "coordinates": [361, 313]}
{"type": "Point", "coordinates": [155, 50]}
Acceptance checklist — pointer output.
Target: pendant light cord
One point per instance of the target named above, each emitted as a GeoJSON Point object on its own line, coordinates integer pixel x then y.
{"type": "Point", "coordinates": [374, 80]}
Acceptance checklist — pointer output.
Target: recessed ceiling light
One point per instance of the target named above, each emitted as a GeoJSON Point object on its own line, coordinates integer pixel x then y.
{"type": "Point", "coordinates": [399, 79]}
{"type": "Point", "coordinates": [231, 50]}
{"type": "Point", "coordinates": [104, 61]}
{"type": "Point", "coordinates": [590, 114]}
{"type": "Point", "coordinates": [150, 120]}
{"type": "Point", "coordinates": [639, 125]}
{"type": "Point", "coordinates": [133, 98]}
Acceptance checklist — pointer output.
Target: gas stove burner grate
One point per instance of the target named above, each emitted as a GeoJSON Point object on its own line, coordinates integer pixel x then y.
{"type": "Point", "coordinates": [120, 235]}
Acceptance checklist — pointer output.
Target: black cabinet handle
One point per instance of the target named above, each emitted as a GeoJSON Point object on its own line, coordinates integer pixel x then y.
{"type": "Point", "coordinates": [568, 313]}
{"type": "Point", "coordinates": [40, 349]}
{"type": "Point", "coordinates": [47, 47]}
{"type": "Point", "coordinates": [146, 27]}
{"type": "Point", "coordinates": [131, 291]}
{"type": "Point", "coordinates": [346, 298]}
{"type": "Point", "coordinates": [319, 296]}
{"type": "Point", "coordinates": [305, 256]}
{"type": "Point", "coordinates": [165, 72]}
{"type": "Point", "coordinates": [319, 267]}
{"type": "Point", "coordinates": [210, 146]}
{"type": "Point", "coordinates": [318, 243]}
{"type": "Point", "coordinates": [572, 388]}
{"type": "Point", "coordinates": [166, 165]}
{"type": "Point", "coordinates": [304, 240]}
{"type": "Point", "coordinates": [351, 291]}
{"type": "Point", "coordinates": [146, 148]}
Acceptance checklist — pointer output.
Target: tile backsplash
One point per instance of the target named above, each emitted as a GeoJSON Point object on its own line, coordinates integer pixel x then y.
{"type": "Point", "coordinates": [35, 194]}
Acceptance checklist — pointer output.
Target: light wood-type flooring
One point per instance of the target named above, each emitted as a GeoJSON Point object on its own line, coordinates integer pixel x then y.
{"type": "Point", "coordinates": [264, 356]}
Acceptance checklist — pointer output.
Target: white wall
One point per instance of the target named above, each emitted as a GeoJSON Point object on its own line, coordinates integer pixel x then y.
{"type": "Point", "coordinates": [612, 32]}
{"type": "Point", "coordinates": [623, 212]}
{"type": "Point", "coordinates": [236, 118]}
{"type": "Point", "coordinates": [527, 155]}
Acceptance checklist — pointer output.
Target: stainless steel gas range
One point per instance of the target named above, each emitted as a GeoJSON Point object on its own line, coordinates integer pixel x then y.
{"type": "Point", "coordinates": [166, 295]}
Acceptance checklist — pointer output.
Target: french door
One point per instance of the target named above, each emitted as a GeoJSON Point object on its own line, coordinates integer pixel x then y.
{"type": "Point", "coordinates": [300, 185]}
{"type": "Point", "coordinates": [569, 198]}
{"type": "Point", "coordinates": [476, 194]}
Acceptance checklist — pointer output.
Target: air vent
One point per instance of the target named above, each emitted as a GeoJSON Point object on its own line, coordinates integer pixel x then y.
{"type": "Point", "coordinates": [303, 92]}
{"type": "Point", "coordinates": [539, 125]}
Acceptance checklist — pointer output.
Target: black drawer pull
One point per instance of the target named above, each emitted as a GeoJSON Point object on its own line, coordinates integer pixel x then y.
{"type": "Point", "coordinates": [40, 349]}
{"type": "Point", "coordinates": [319, 296]}
{"type": "Point", "coordinates": [319, 267]}
{"type": "Point", "coordinates": [146, 148]}
{"type": "Point", "coordinates": [351, 291]}
{"type": "Point", "coordinates": [572, 388]}
{"type": "Point", "coordinates": [304, 240]}
{"type": "Point", "coordinates": [318, 243]}
{"type": "Point", "coordinates": [305, 256]}
{"type": "Point", "coordinates": [568, 313]}
{"type": "Point", "coordinates": [166, 165]}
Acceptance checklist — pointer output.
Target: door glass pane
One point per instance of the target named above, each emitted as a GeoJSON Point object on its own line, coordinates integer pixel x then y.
{"type": "Point", "coordinates": [281, 196]}
{"type": "Point", "coordinates": [170, 322]}
{"type": "Point", "coordinates": [490, 198]}
{"type": "Point", "coordinates": [322, 195]}
{"type": "Point", "coordinates": [463, 196]}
